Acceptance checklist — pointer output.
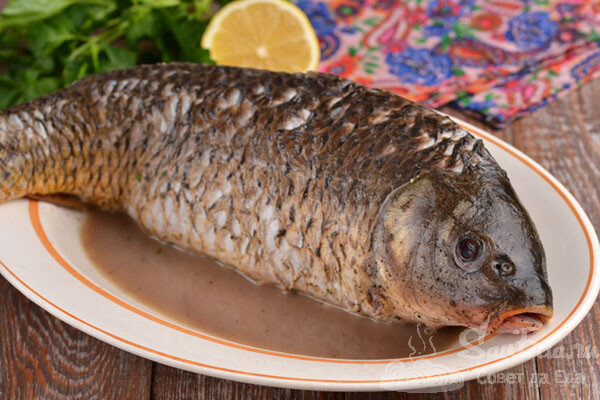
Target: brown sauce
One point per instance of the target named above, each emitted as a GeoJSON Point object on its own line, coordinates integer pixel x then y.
{"type": "Point", "coordinates": [202, 295]}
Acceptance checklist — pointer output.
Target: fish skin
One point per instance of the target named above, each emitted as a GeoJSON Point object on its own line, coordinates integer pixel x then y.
{"type": "Point", "coordinates": [281, 176]}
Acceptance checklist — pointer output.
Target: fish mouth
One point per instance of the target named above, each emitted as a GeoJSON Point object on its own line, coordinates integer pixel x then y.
{"type": "Point", "coordinates": [521, 320]}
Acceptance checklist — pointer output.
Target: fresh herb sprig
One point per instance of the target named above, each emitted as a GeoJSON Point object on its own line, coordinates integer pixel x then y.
{"type": "Point", "coordinates": [47, 44]}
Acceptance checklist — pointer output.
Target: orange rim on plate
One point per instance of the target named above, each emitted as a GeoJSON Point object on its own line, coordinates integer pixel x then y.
{"type": "Point", "coordinates": [37, 225]}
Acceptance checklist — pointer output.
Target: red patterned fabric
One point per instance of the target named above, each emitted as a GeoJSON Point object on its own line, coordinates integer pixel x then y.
{"type": "Point", "coordinates": [497, 59]}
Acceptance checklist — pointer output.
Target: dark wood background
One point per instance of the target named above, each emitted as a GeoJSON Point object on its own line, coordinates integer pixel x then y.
{"type": "Point", "coordinates": [42, 357]}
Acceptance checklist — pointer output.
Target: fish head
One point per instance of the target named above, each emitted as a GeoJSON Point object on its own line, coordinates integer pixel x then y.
{"type": "Point", "coordinates": [460, 249]}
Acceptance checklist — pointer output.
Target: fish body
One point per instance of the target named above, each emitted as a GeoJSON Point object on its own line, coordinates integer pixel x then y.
{"type": "Point", "coordinates": [352, 195]}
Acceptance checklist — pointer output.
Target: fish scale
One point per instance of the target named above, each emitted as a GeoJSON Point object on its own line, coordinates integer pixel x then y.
{"type": "Point", "coordinates": [282, 176]}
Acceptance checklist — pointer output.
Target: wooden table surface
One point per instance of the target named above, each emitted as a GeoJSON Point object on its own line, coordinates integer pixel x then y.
{"type": "Point", "coordinates": [42, 357]}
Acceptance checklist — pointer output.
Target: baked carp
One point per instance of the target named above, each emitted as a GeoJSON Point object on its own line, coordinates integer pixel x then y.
{"type": "Point", "coordinates": [352, 195]}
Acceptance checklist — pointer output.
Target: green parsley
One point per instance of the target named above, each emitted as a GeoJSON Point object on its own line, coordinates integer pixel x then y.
{"type": "Point", "coordinates": [45, 45]}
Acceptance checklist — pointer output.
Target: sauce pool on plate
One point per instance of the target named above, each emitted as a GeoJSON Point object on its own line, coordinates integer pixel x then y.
{"type": "Point", "coordinates": [199, 293]}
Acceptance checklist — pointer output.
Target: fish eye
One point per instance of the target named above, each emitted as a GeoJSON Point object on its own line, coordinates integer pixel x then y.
{"type": "Point", "coordinates": [469, 253]}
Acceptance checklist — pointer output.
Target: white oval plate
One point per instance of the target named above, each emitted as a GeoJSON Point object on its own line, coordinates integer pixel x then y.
{"type": "Point", "coordinates": [41, 255]}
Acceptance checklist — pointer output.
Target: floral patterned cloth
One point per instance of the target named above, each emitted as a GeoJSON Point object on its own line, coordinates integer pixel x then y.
{"type": "Point", "coordinates": [496, 59]}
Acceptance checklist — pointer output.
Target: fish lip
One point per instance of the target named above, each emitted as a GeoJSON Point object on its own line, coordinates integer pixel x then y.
{"type": "Point", "coordinates": [521, 320]}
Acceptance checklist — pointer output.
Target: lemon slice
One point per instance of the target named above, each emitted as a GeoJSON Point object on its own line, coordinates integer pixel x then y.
{"type": "Point", "coordinates": [265, 34]}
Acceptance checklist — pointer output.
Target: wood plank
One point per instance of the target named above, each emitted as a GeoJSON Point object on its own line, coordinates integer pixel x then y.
{"type": "Point", "coordinates": [42, 357]}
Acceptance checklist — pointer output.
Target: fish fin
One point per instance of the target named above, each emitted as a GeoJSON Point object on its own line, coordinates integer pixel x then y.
{"type": "Point", "coordinates": [404, 240]}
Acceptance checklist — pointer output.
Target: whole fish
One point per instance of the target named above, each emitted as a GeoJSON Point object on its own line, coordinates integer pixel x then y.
{"type": "Point", "coordinates": [352, 195]}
